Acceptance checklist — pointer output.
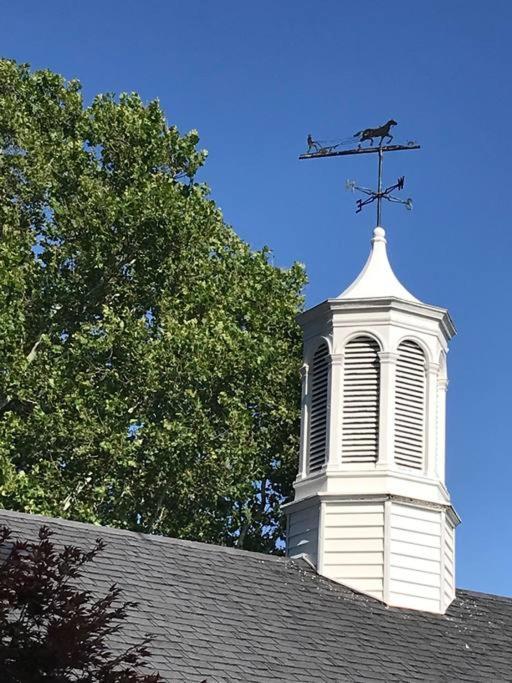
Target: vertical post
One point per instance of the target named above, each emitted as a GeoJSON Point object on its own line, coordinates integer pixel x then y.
{"type": "Point", "coordinates": [442, 386]}
{"type": "Point", "coordinates": [387, 552]}
{"type": "Point", "coordinates": [442, 564]}
{"type": "Point", "coordinates": [304, 422]}
{"type": "Point", "coordinates": [334, 425]}
{"type": "Point", "coordinates": [320, 538]}
{"type": "Point", "coordinates": [379, 188]}
{"type": "Point", "coordinates": [431, 418]}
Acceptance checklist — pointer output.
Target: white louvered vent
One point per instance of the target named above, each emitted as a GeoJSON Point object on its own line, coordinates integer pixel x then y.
{"type": "Point", "coordinates": [319, 401]}
{"type": "Point", "coordinates": [361, 384]}
{"type": "Point", "coordinates": [410, 406]}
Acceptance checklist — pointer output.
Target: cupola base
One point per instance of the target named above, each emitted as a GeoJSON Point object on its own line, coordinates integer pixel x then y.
{"type": "Point", "coordinates": [398, 550]}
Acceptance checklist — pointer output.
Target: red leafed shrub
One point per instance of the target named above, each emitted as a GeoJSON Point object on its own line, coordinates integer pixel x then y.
{"type": "Point", "coordinates": [52, 631]}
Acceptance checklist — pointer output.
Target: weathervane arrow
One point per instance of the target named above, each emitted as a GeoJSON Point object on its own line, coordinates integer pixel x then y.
{"type": "Point", "coordinates": [319, 149]}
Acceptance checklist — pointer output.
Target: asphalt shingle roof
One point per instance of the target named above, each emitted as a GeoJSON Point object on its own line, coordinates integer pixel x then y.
{"type": "Point", "coordinates": [230, 615]}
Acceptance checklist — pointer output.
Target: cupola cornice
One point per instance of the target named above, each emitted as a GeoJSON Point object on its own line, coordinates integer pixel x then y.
{"type": "Point", "coordinates": [332, 307]}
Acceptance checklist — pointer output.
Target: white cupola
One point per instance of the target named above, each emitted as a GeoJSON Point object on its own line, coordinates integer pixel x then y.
{"type": "Point", "coordinates": [371, 509]}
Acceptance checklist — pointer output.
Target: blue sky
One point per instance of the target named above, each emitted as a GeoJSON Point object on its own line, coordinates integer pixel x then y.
{"type": "Point", "coordinates": [254, 79]}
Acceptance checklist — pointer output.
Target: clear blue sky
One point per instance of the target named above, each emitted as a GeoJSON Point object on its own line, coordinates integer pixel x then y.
{"type": "Point", "coordinates": [254, 79]}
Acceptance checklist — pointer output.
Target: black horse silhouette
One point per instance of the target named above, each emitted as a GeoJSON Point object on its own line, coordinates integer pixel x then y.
{"type": "Point", "coordinates": [371, 133]}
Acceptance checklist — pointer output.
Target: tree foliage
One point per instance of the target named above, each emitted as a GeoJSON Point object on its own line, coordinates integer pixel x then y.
{"type": "Point", "coordinates": [149, 374]}
{"type": "Point", "coordinates": [52, 631]}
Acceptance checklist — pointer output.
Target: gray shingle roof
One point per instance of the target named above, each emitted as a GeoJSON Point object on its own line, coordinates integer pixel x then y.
{"type": "Point", "coordinates": [230, 615]}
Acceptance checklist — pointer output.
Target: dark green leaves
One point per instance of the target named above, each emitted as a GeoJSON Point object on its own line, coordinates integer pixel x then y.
{"type": "Point", "coordinates": [149, 374]}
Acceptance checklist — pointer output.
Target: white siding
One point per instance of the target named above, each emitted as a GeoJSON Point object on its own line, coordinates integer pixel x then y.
{"type": "Point", "coordinates": [302, 532]}
{"type": "Point", "coordinates": [449, 563]}
{"type": "Point", "coordinates": [361, 388]}
{"type": "Point", "coordinates": [353, 545]}
{"type": "Point", "coordinates": [415, 557]}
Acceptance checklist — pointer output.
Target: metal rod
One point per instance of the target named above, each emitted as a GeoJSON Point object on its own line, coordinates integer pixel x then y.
{"type": "Point", "coordinates": [362, 150]}
{"type": "Point", "coordinates": [372, 195]}
{"type": "Point", "coordinates": [379, 187]}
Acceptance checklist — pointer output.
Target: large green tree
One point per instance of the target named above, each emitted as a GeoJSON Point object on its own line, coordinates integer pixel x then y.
{"type": "Point", "coordinates": [148, 357]}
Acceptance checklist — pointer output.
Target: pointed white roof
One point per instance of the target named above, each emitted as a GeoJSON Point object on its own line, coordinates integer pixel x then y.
{"type": "Point", "coordinates": [377, 278]}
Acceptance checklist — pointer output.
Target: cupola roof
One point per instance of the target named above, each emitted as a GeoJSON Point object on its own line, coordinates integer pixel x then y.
{"type": "Point", "coordinates": [377, 278]}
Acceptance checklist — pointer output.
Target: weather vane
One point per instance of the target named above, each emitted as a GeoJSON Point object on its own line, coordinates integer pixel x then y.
{"type": "Point", "coordinates": [330, 148]}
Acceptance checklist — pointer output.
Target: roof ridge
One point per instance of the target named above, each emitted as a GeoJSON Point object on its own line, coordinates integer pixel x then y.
{"type": "Point", "coordinates": [497, 596]}
{"type": "Point", "coordinates": [158, 538]}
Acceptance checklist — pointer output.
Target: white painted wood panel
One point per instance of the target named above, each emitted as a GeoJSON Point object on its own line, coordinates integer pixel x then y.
{"type": "Point", "coordinates": [358, 508]}
{"type": "Point", "coordinates": [353, 545]}
{"type": "Point", "coordinates": [349, 557]}
{"type": "Point", "coordinates": [416, 537]}
{"type": "Point", "coordinates": [356, 545]}
{"type": "Point", "coordinates": [449, 563]}
{"type": "Point", "coordinates": [372, 586]}
{"type": "Point", "coordinates": [414, 602]}
{"type": "Point", "coordinates": [409, 512]}
{"type": "Point", "coordinates": [401, 574]}
{"type": "Point", "coordinates": [302, 533]}
{"type": "Point", "coordinates": [421, 551]}
{"type": "Point", "coordinates": [402, 522]}
{"type": "Point", "coordinates": [416, 564]}
{"type": "Point", "coordinates": [353, 519]}
{"type": "Point", "coordinates": [303, 516]}
{"type": "Point", "coordinates": [353, 572]}
{"type": "Point", "coordinates": [415, 558]}
{"type": "Point", "coordinates": [415, 590]}
{"type": "Point", "coordinates": [344, 533]}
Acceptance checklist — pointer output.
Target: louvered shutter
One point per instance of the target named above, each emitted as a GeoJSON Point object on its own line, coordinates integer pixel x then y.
{"type": "Point", "coordinates": [361, 386]}
{"type": "Point", "coordinates": [410, 406]}
{"type": "Point", "coordinates": [318, 408]}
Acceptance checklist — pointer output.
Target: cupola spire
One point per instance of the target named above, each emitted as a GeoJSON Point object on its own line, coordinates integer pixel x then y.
{"type": "Point", "coordinates": [377, 278]}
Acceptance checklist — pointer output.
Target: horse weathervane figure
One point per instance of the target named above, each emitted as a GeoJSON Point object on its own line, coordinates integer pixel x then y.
{"type": "Point", "coordinates": [330, 148]}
